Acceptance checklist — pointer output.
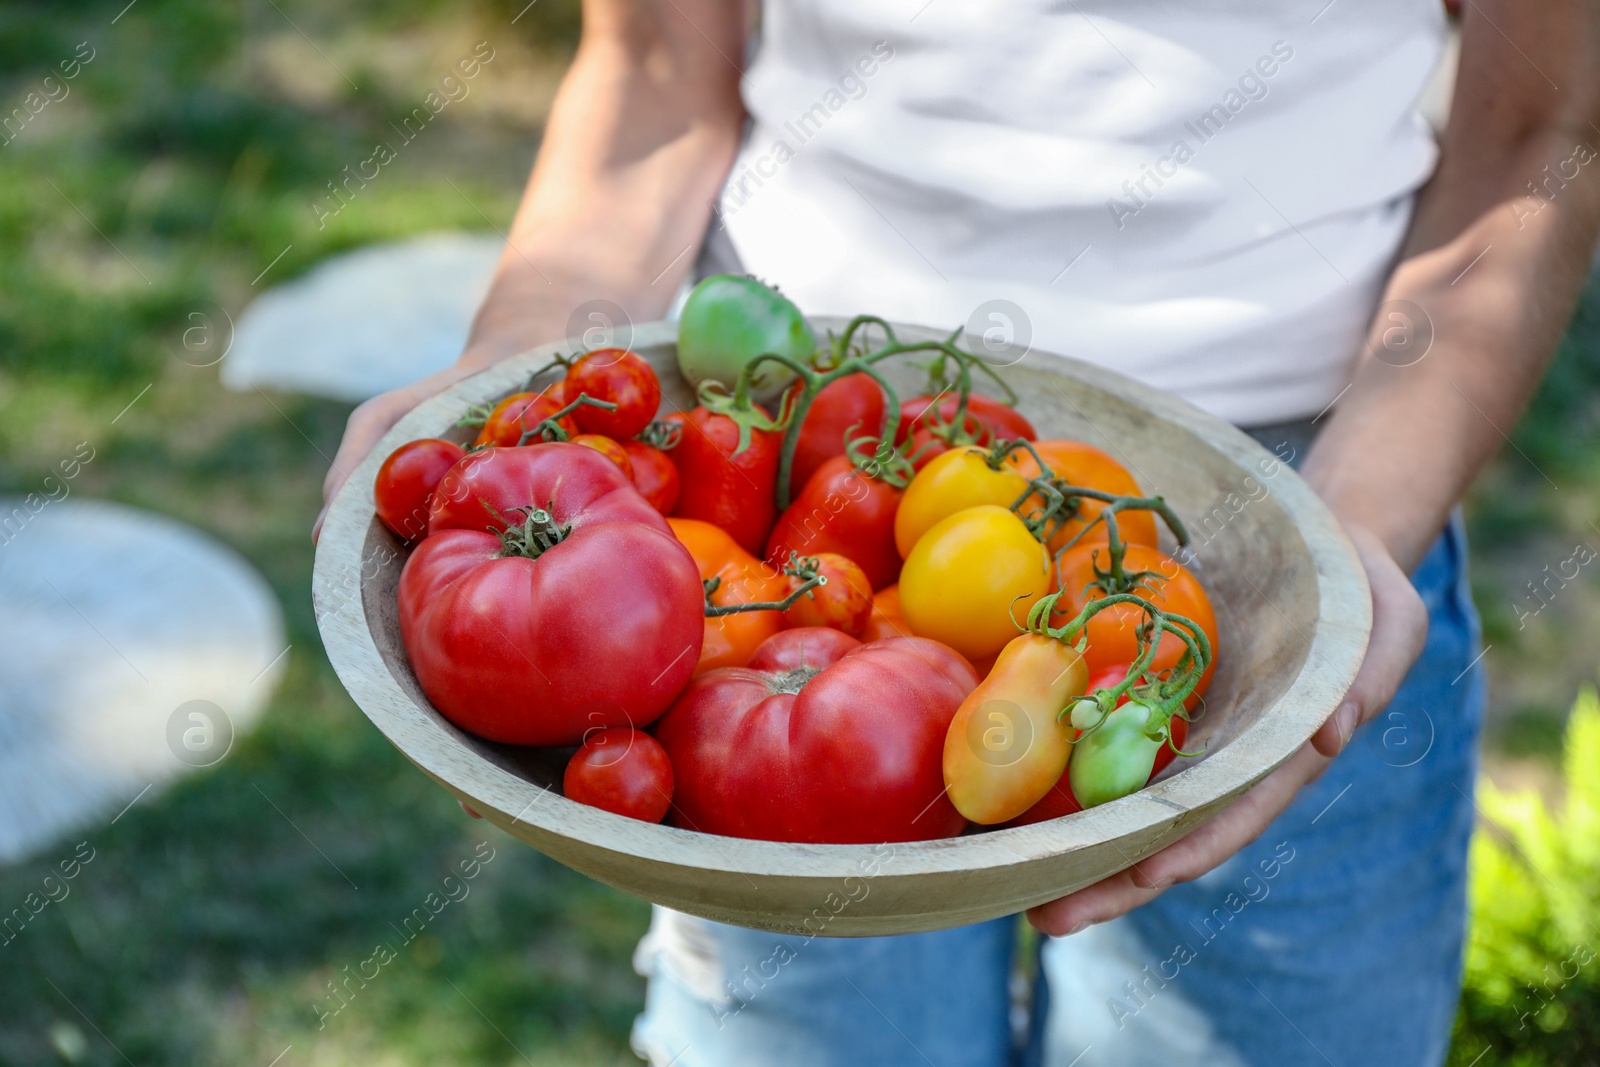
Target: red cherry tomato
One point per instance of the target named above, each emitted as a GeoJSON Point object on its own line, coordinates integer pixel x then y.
{"type": "Point", "coordinates": [654, 475]}
{"type": "Point", "coordinates": [819, 739]}
{"type": "Point", "coordinates": [927, 431]}
{"type": "Point", "coordinates": [722, 485]}
{"type": "Point", "coordinates": [844, 510]}
{"type": "Point", "coordinates": [622, 770]}
{"type": "Point", "coordinates": [619, 377]}
{"type": "Point", "coordinates": [608, 448]}
{"type": "Point", "coordinates": [1060, 801]}
{"type": "Point", "coordinates": [597, 623]}
{"type": "Point", "coordinates": [844, 603]}
{"type": "Point", "coordinates": [521, 412]}
{"type": "Point", "coordinates": [406, 482]}
{"type": "Point", "coordinates": [851, 406]}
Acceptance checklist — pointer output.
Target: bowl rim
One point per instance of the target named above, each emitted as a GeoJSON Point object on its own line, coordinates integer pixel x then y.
{"type": "Point", "coordinates": [1338, 644]}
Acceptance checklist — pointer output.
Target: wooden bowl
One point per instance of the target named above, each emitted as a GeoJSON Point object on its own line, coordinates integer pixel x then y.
{"type": "Point", "coordinates": [1293, 614]}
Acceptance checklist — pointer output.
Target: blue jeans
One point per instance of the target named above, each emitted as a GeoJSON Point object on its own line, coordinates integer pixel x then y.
{"type": "Point", "coordinates": [1335, 938]}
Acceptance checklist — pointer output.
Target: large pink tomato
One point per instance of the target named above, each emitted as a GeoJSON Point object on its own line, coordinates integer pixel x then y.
{"type": "Point", "coordinates": [819, 738]}
{"type": "Point", "coordinates": [585, 613]}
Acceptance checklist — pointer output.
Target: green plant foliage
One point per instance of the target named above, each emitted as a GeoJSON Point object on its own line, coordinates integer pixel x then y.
{"type": "Point", "coordinates": [1532, 989]}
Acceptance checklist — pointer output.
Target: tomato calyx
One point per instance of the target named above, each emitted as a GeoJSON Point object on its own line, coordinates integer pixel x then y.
{"type": "Point", "coordinates": [536, 534]}
{"type": "Point", "coordinates": [791, 681]}
{"type": "Point", "coordinates": [878, 458]}
{"type": "Point", "coordinates": [550, 429]}
{"type": "Point", "coordinates": [739, 407]}
{"type": "Point", "coordinates": [663, 434]}
{"type": "Point", "coordinates": [1162, 694]}
{"type": "Point", "coordinates": [803, 568]}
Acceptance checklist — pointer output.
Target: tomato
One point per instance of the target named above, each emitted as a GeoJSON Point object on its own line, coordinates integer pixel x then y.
{"type": "Point", "coordinates": [1113, 632]}
{"type": "Point", "coordinates": [608, 448]}
{"type": "Point", "coordinates": [729, 320]}
{"type": "Point", "coordinates": [1114, 759]}
{"type": "Point", "coordinates": [925, 434]}
{"type": "Point", "coordinates": [406, 482]}
{"type": "Point", "coordinates": [619, 377]}
{"type": "Point", "coordinates": [1060, 801]}
{"type": "Point", "coordinates": [726, 486]}
{"type": "Point", "coordinates": [521, 412]}
{"type": "Point", "coordinates": [843, 603]}
{"type": "Point", "coordinates": [623, 771]}
{"type": "Point", "coordinates": [970, 580]}
{"type": "Point", "coordinates": [654, 474]}
{"type": "Point", "coordinates": [1007, 745]}
{"type": "Point", "coordinates": [886, 620]}
{"type": "Point", "coordinates": [850, 406]}
{"type": "Point", "coordinates": [730, 640]}
{"type": "Point", "coordinates": [1084, 465]}
{"type": "Point", "coordinates": [844, 510]}
{"type": "Point", "coordinates": [590, 615]}
{"type": "Point", "coordinates": [953, 481]}
{"type": "Point", "coordinates": [820, 739]}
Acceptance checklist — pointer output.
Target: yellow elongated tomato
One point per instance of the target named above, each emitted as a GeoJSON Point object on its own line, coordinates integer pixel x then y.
{"type": "Point", "coordinates": [1009, 742]}
{"type": "Point", "coordinates": [952, 482]}
{"type": "Point", "coordinates": [971, 579]}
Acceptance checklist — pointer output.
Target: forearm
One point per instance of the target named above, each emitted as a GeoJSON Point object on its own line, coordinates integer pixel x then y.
{"type": "Point", "coordinates": [1496, 271]}
{"type": "Point", "coordinates": [641, 135]}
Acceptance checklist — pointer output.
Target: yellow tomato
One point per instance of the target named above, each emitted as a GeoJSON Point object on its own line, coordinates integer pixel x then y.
{"type": "Point", "coordinates": [1009, 743]}
{"type": "Point", "coordinates": [953, 481]}
{"type": "Point", "coordinates": [970, 580]}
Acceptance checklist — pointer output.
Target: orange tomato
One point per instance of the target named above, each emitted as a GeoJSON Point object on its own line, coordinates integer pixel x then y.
{"type": "Point", "coordinates": [1085, 465]}
{"type": "Point", "coordinates": [730, 640]}
{"type": "Point", "coordinates": [844, 603]}
{"type": "Point", "coordinates": [520, 412]}
{"type": "Point", "coordinates": [607, 448]}
{"type": "Point", "coordinates": [886, 620]}
{"type": "Point", "coordinates": [1113, 633]}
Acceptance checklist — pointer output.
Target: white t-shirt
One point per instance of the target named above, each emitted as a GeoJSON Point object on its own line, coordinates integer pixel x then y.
{"type": "Point", "coordinates": [1206, 196]}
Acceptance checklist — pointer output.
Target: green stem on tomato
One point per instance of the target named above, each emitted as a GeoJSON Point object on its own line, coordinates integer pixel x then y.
{"type": "Point", "coordinates": [803, 568]}
{"type": "Point", "coordinates": [549, 429]}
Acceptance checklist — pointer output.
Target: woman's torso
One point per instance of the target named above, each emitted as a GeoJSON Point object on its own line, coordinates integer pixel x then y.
{"type": "Point", "coordinates": [1205, 196]}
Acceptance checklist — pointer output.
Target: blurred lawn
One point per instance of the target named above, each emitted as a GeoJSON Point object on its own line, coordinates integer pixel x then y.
{"type": "Point", "coordinates": [183, 161]}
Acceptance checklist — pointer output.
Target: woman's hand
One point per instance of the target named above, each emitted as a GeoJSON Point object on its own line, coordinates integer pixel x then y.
{"type": "Point", "coordinates": [371, 420]}
{"type": "Point", "coordinates": [1399, 627]}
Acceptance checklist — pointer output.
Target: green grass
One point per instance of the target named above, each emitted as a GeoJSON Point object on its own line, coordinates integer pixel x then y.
{"type": "Point", "coordinates": [206, 928]}
{"type": "Point", "coordinates": [208, 924]}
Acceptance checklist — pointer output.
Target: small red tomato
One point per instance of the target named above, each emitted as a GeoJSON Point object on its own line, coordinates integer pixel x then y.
{"type": "Point", "coordinates": [619, 377]}
{"type": "Point", "coordinates": [521, 412]}
{"type": "Point", "coordinates": [406, 482]}
{"type": "Point", "coordinates": [608, 448]}
{"type": "Point", "coordinates": [851, 406]}
{"type": "Point", "coordinates": [844, 603]}
{"type": "Point", "coordinates": [847, 510]}
{"type": "Point", "coordinates": [623, 771]}
{"type": "Point", "coordinates": [654, 475]}
{"type": "Point", "coordinates": [725, 485]}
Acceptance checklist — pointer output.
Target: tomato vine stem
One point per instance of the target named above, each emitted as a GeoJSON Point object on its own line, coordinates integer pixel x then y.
{"type": "Point", "coordinates": [803, 568]}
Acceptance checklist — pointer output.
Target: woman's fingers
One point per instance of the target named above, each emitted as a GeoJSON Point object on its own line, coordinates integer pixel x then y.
{"type": "Point", "coordinates": [1184, 860]}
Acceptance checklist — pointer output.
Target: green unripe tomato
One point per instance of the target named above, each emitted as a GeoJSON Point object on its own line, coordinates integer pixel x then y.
{"type": "Point", "coordinates": [1115, 759]}
{"type": "Point", "coordinates": [730, 320]}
